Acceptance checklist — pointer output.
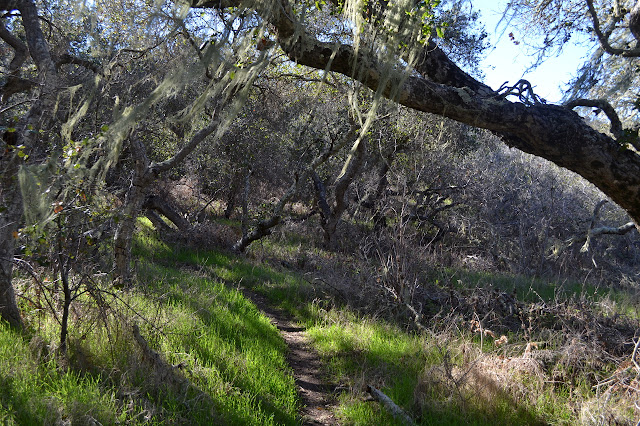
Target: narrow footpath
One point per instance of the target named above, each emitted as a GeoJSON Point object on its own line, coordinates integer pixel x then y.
{"type": "Point", "coordinates": [317, 397]}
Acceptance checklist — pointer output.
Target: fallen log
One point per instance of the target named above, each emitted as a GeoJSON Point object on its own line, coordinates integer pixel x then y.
{"type": "Point", "coordinates": [391, 406]}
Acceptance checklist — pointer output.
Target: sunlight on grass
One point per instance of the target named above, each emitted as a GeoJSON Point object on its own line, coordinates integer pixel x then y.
{"type": "Point", "coordinates": [36, 392]}
{"type": "Point", "coordinates": [224, 362]}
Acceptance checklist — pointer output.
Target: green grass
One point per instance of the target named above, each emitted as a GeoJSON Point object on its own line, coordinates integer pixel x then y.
{"type": "Point", "coordinates": [232, 366]}
{"type": "Point", "coordinates": [360, 350]}
{"type": "Point", "coordinates": [35, 391]}
{"type": "Point", "coordinates": [189, 310]}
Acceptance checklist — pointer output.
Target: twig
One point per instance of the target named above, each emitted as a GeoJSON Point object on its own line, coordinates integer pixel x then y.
{"type": "Point", "coordinates": [633, 355]}
{"type": "Point", "coordinates": [523, 90]}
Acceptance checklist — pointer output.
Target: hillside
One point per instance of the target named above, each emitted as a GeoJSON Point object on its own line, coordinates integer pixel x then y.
{"type": "Point", "coordinates": [188, 346]}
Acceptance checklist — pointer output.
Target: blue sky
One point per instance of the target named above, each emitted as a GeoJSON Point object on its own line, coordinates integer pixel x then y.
{"type": "Point", "coordinates": [507, 61]}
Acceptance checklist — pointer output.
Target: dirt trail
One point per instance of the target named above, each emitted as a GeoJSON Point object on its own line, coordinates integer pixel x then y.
{"type": "Point", "coordinates": [317, 396]}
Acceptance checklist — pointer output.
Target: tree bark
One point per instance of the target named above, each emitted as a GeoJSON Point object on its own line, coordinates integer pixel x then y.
{"type": "Point", "coordinates": [11, 209]}
{"type": "Point", "coordinates": [144, 173]}
{"type": "Point", "coordinates": [123, 237]}
{"type": "Point", "coordinates": [391, 406]}
{"type": "Point", "coordinates": [10, 217]}
{"type": "Point", "coordinates": [261, 230]}
{"type": "Point", "coordinates": [157, 203]}
{"type": "Point", "coordinates": [234, 188]}
{"type": "Point", "coordinates": [330, 217]}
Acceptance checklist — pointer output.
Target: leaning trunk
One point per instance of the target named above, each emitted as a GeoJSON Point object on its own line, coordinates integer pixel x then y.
{"type": "Point", "coordinates": [262, 229]}
{"type": "Point", "coordinates": [160, 205]}
{"type": "Point", "coordinates": [10, 216]}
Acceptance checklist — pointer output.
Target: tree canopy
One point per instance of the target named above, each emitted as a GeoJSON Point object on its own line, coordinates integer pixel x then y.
{"type": "Point", "coordinates": [435, 84]}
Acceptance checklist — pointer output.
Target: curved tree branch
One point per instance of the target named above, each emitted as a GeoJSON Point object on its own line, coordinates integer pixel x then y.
{"type": "Point", "coordinates": [20, 49]}
{"type": "Point", "coordinates": [201, 135]}
{"type": "Point", "coordinates": [70, 59]}
{"type": "Point", "coordinates": [14, 83]}
{"type": "Point", "coordinates": [603, 230]}
{"type": "Point", "coordinates": [552, 132]}
{"type": "Point", "coordinates": [616, 124]}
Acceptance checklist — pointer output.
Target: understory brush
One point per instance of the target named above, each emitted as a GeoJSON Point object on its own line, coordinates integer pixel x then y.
{"type": "Point", "coordinates": [447, 346]}
{"type": "Point", "coordinates": [454, 346]}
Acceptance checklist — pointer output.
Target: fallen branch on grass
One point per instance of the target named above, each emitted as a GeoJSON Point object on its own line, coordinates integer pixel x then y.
{"type": "Point", "coordinates": [166, 373]}
{"type": "Point", "coordinates": [391, 406]}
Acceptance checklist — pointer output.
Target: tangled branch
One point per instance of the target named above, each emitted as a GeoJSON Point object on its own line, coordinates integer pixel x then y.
{"type": "Point", "coordinates": [523, 90]}
{"type": "Point", "coordinates": [604, 35]}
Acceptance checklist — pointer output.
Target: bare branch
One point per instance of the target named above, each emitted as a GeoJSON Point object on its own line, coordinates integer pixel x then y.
{"type": "Point", "coordinates": [301, 78]}
{"type": "Point", "coordinates": [14, 83]}
{"type": "Point", "coordinates": [21, 52]}
{"type": "Point", "coordinates": [70, 59]}
{"type": "Point", "coordinates": [603, 37]}
{"type": "Point", "coordinates": [634, 21]}
{"type": "Point", "coordinates": [12, 106]}
{"type": "Point", "coordinates": [608, 230]}
{"type": "Point", "coordinates": [605, 106]}
{"type": "Point", "coordinates": [163, 166]}
{"type": "Point", "coordinates": [393, 408]}
{"type": "Point", "coordinates": [198, 49]}
{"type": "Point", "coordinates": [523, 90]}
{"type": "Point", "coordinates": [620, 230]}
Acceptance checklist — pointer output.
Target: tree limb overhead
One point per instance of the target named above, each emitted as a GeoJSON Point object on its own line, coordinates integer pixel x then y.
{"type": "Point", "coordinates": [548, 131]}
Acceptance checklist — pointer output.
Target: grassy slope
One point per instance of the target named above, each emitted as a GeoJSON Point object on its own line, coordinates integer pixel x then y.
{"type": "Point", "coordinates": [235, 360]}
{"type": "Point", "coordinates": [232, 356]}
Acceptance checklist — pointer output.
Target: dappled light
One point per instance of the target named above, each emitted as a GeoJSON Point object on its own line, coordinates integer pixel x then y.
{"type": "Point", "coordinates": [316, 212]}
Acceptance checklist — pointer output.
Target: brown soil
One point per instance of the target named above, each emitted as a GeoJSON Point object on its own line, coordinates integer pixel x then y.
{"type": "Point", "coordinates": [317, 396]}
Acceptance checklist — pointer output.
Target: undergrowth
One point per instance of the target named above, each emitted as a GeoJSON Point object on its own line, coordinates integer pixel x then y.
{"type": "Point", "coordinates": [222, 362]}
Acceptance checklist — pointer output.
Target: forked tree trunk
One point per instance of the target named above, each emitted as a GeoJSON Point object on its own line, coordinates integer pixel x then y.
{"type": "Point", "coordinates": [330, 217]}
{"type": "Point", "coordinates": [145, 172]}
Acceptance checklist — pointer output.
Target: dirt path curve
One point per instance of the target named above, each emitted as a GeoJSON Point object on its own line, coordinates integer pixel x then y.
{"type": "Point", "coordinates": [317, 397]}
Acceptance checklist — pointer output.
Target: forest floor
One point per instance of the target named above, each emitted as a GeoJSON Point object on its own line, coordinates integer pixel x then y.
{"type": "Point", "coordinates": [286, 336]}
